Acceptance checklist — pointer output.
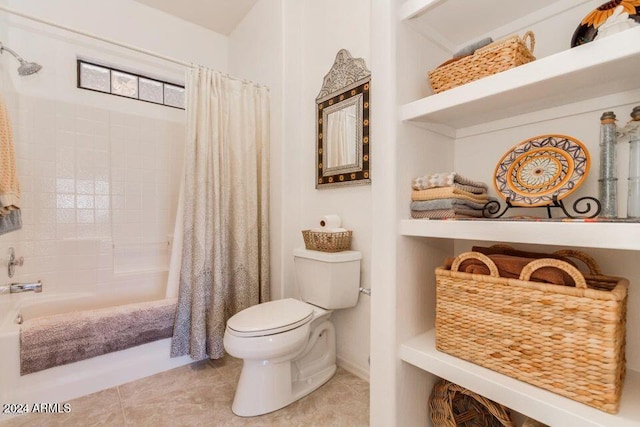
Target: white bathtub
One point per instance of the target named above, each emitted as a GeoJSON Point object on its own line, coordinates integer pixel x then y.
{"type": "Point", "coordinates": [66, 382]}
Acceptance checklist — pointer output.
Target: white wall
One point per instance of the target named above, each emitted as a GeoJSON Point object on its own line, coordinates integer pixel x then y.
{"type": "Point", "coordinates": [326, 31]}
{"type": "Point", "coordinates": [99, 173]}
{"type": "Point", "coordinates": [287, 45]}
{"type": "Point", "coordinates": [256, 52]}
{"type": "Point", "coordinates": [135, 24]}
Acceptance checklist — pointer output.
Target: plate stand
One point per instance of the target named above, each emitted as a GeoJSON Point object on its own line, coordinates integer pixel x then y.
{"type": "Point", "coordinates": [493, 208]}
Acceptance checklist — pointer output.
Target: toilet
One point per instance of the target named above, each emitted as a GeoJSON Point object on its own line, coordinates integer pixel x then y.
{"type": "Point", "coordinates": [289, 346]}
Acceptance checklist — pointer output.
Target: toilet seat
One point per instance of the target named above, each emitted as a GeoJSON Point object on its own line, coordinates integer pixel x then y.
{"type": "Point", "coordinates": [270, 318]}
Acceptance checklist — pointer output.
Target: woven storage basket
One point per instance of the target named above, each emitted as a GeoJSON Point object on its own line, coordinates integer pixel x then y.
{"type": "Point", "coordinates": [451, 405]}
{"type": "Point", "coordinates": [327, 242]}
{"type": "Point", "coordinates": [569, 340]}
{"type": "Point", "coordinates": [497, 57]}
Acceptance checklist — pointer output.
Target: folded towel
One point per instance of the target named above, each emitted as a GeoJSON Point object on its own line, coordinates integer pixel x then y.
{"type": "Point", "coordinates": [447, 213]}
{"type": "Point", "coordinates": [448, 179]}
{"type": "Point", "coordinates": [428, 205]}
{"type": "Point", "coordinates": [511, 267]}
{"type": "Point", "coordinates": [506, 250]}
{"type": "Point", "coordinates": [447, 193]}
{"type": "Point", "coordinates": [470, 49]}
{"type": "Point", "coordinates": [9, 187]}
{"type": "Point", "coordinates": [10, 222]}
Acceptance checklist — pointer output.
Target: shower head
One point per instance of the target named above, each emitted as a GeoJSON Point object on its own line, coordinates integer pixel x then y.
{"type": "Point", "coordinates": [26, 68]}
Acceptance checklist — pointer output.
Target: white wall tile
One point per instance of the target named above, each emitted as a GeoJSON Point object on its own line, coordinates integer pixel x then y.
{"type": "Point", "coordinates": [91, 177]}
{"type": "Point", "coordinates": [66, 216]}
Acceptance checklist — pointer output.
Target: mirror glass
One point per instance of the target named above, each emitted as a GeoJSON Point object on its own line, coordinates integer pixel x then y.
{"type": "Point", "coordinates": [341, 137]}
{"type": "Point", "coordinates": [343, 124]}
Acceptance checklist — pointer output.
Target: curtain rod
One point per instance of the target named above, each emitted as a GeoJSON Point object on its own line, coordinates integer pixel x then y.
{"type": "Point", "coordinates": [113, 42]}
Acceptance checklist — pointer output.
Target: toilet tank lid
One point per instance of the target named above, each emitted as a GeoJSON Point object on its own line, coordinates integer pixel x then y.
{"type": "Point", "coordinates": [343, 256]}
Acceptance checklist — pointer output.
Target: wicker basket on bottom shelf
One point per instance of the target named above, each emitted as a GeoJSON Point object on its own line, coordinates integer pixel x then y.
{"type": "Point", "coordinates": [569, 340]}
{"type": "Point", "coordinates": [451, 405]}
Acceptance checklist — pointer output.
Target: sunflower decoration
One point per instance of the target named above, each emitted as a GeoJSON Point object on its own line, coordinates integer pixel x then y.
{"type": "Point", "coordinates": [588, 28]}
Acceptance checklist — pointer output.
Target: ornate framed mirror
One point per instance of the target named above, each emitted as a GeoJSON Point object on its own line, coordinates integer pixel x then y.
{"type": "Point", "coordinates": [342, 124]}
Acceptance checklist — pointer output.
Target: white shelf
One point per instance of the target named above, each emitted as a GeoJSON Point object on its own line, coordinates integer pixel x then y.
{"type": "Point", "coordinates": [454, 23]}
{"type": "Point", "coordinates": [414, 8]}
{"type": "Point", "coordinates": [532, 401]}
{"type": "Point", "coordinates": [607, 235]}
{"type": "Point", "coordinates": [599, 68]}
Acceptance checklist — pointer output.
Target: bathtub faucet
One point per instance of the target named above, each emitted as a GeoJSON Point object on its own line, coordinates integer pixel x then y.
{"type": "Point", "coordinates": [15, 288]}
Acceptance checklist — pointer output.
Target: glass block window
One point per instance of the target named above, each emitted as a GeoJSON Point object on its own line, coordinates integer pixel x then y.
{"type": "Point", "coordinates": [174, 96]}
{"type": "Point", "coordinates": [109, 80]}
{"type": "Point", "coordinates": [151, 90]}
{"type": "Point", "coordinates": [93, 77]}
{"type": "Point", "coordinates": [124, 84]}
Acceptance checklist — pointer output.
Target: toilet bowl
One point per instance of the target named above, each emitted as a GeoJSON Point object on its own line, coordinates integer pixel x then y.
{"type": "Point", "coordinates": [288, 346]}
{"type": "Point", "coordinates": [282, 364]}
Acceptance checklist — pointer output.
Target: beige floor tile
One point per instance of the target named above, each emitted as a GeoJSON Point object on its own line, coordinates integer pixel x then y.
{"type": "Point", "coordinates": [97, 409]}
{"type": "Point", "coordinates": [229, 367]}
{"type": "Point", "coordinates": [201, 395]}
{"type": "Point", "coordinates": [333, 404]}
{"type": "Point", "coordinates": [186, 396]}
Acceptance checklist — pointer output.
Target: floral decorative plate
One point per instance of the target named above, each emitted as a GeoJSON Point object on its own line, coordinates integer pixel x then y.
{"type": "Point", "coordinates": [537, 169]}
{"type": "Point", "coordinates": [588, 28]}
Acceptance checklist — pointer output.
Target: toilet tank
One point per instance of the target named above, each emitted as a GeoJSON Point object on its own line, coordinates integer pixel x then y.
{"type": "Point", "coordinates": [328, 280]}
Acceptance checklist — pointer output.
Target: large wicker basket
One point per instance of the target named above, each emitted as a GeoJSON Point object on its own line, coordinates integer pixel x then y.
{"type": "Point", "coordinates": [497, 57]}
{"type": "Point", "coordinates": [327, 241]}
{"type": "Point", "coordinates": [569, 340]}
{"type": "Point", "coordinates": [451, 405]}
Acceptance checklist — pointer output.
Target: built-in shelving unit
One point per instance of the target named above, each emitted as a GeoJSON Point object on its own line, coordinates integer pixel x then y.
{"type": "Point", "coordinates": [595, 69]}
{"type": "Point", "coordinates": [540, 404]}
{"type": "Point", "coordinates": [585, 79]}
{"type": "Point", "coordinates": [608, 235]}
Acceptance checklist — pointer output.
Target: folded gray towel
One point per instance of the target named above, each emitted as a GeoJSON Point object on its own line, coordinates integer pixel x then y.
{"type": "Point", "coordinates": [429, 205]}
{"type": "Point", "coordinates": [10, 222]}
{"type": "Point", "coordinates": [470, 49]}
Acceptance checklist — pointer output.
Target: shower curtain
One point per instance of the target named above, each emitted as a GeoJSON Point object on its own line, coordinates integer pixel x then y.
{"type": "Point", "coordinates": [220, 256]}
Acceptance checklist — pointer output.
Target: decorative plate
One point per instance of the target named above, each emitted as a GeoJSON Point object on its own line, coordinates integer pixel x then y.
{"type": "Point", "coordinates": [588, 28]}
{"type": "Point", "coordinates": [537, 169]}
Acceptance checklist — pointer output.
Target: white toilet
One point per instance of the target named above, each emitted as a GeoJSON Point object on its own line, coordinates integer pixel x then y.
{"type": "Point", "coordinates": [289, 346]}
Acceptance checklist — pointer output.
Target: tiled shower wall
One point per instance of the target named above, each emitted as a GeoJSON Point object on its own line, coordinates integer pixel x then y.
{"type": "Point", "coordinates": [99, 193]}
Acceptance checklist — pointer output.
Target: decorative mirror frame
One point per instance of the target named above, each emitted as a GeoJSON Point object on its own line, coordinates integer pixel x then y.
{"type": "Point", "coordinates": [346, 84]}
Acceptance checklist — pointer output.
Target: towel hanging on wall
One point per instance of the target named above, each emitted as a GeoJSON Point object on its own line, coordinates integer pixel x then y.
{"type": "Point", "coordinates": [9, 186]}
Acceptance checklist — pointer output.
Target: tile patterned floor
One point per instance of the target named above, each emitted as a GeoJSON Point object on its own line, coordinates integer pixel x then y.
{"type": "Point", "coordinates": [200, 394]}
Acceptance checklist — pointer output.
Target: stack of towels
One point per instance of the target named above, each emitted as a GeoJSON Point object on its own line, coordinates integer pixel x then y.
{"type": "Point", "coordinates": [10, 217]}
{"type": "Point", "coordinates": [510, 263]}
{"type": "Point", "coordinates": [447, 195]}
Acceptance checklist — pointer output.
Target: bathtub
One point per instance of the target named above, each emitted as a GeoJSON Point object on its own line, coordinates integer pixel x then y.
{"type": "Point", "coordinates": [62, 383]}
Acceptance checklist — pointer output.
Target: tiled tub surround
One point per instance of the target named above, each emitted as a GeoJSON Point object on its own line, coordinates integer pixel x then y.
{"type": "Point", "coordinates": [98, 186]}
{"type": "Point", "coordinates": [200, 395]}
{"type": "Point", "coordinates": [99, 192]}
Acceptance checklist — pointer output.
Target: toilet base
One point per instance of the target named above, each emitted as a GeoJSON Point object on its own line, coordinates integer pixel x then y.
{"type": "Point", "coordinates": [303, 387]}
{"type": "Point", "coordinates": [261, 403]}
{"type": "Point", "coordinates": [266, 386]}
